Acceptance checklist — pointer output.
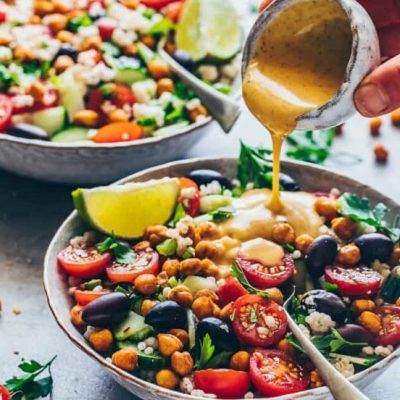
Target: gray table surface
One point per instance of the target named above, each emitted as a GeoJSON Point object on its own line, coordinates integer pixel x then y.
{"type": "Point", "coordinates": [31, 211]}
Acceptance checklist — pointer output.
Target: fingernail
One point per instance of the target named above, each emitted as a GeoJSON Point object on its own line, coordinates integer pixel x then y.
{"type": "Point", "coordinates": [371, 99]}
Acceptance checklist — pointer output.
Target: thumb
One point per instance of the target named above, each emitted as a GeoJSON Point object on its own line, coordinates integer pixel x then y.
{"type": "Point", "coordinates": [379, 93]}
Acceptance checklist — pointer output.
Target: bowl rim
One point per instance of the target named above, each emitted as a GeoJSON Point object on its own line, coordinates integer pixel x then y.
{"type": "Point", "coordinates": [78, 339]}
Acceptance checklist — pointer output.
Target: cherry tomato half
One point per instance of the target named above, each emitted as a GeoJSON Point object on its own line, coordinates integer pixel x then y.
{"type": "Point", "coordinates": [5, 112]}
{"type": "Point", "coordinates": [146, 262]}
{"type": "Point", "coordinates": [157, 4]}
{"type": "Point", "coordinates": [390, 332]}
{"type": "Point", "coordinates": [258, 321]}
{"type": "Point", "coordinates": [3, 16]}
{"type": "Point", "coordinates": [230, 291]}
{"type": "Point", "coordinates": [173, 10]}
{"type": "Point", "coordinates": [50, 99]}
{"type": "Point", "coordinates": [276, 373]}
{"type": "Point", "coordinates": [191, 203]}
{"type": "Point", "coordinates": [106, 27]}
{"type": "Point", "coordinates": [118, 132]}
{"type": "Point", "coordinates": [264, 277]}
{"type": "Point", "coordinates": [359, 281]}
{"type": "Point", "coordinates": [4, 393]}
{"type": "Point", "coordinates": [83, 262]}
{"type": "Point", "coordinates": [224, 383]}
{"type": "Point", "coordinates": [84, 297]}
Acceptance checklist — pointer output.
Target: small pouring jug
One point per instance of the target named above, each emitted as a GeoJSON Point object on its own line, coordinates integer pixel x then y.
{"type": "Point", "coordinates": [365, 56]}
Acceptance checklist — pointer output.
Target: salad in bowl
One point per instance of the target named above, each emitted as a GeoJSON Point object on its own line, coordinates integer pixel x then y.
{"type": "Point", "coordinates": [177, 280]}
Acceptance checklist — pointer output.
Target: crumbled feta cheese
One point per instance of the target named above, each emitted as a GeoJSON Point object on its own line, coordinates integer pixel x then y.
{"type": "Point", "coordinates": [86, 32]}
{"type": "Point", "coordinates": [122, 37]}
{"type": "Point", "coordinates": [250, 186]}
{"type": "Point", "coordinates": [130, 20]}
{"type": "Point", "coordinates": [165, 99]}
{"type": "Point", "coordinates": [383, 351]}
{"type": "Point", "coordinates": [296, 254]}
{"type": "Point", "coordinates": [345, 367]}
{"type": "Point", "coordinates": [5, 54]}
{"type": "Point", "coordinates": [305, 330]}
{"type": "Point", "coordinates": [188, 193]}
{"type": "Point", "coordinates": [186, 385]}
{"type": "Point", "coordinates": [249, 395]}
{"type": "Point", "coordinates": [320, 322]}
{"type": "Point", "coordinates": [208, 72]}
{"type": "Point", "coordinates": [324, 230]}
{"type": "Point", "coordinates": [23, 100]}
{"type": "Point", "coordinates": [108, 107]}
{"type": "Point", "coordinates": [95, 9]}
{"type": "Point", "coordinates": [201, 118]}
{"type": "Point", "coordinates": [144, 91]}
{"type": "Point", "coordinates": [368, 350]}
{"type": "Point", "coordinates": [382, 268]}
{"type": "Point", "coordinates": [166, 291]}
{"type": "Point", "coordinates": [87, 58]}
{"type": "Point", "coordinates": [230, 71]}
{"type": "Point", "coordinates": [335, 192]}
{"type": "Point", "coordinates": [221, 282]}
{"type": "Point", "coordinates": [92, 75]}
{"type": "Point", "coordinates": [146, 111]}
{"type": "Point", "coordinates": [193, 103]}
{"type": "Point", "coordinates": [211, 188]}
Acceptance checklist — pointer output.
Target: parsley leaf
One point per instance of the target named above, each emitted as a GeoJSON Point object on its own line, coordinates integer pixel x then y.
{"type": "Point", "coordinates": [161, 27]}
{"type": "Point", "coordinates": [221, 214]}
{"type": "Point", "coordinates": [238, 273]}
{"type": "Point", "coordinates": [123, 254]}
{"type": "Point", "coordinates": [206, 351]}
{"type": "Point", "coordinates": [178, 215]}
{"type": "Point", "coordinates": [219, 360]}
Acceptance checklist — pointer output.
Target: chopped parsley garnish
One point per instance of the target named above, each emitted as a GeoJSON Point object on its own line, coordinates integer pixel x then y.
{"type": "Point", "coordinates": [123, 254]}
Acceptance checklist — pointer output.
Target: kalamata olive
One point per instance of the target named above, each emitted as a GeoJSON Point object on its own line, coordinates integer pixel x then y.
{"type": "Point", "coordinates": [107, 310]}
{"type": "Point", "coordinates": [321, 253]}
{"type": "Point", "coordinates": [28, 131]}
{"type": "Point", "coordinates": [324, 302]}
{"type": "Point", "coordinates": [355, 333]}
{"type": "Point", "coordinates": [67, 49]}
{"type": "Point", "coordinates": [184, 58]}
{"type": "Point", "coordinates": [205, 176]}
{"type": "Point", "coordinates": [374, 246]}
{"type": "Point", "coordinates": [166, 315]}
{"type": "Point", "coordinates": [288, 183]}
{"type": "Point", "coordinates": [220, 333]}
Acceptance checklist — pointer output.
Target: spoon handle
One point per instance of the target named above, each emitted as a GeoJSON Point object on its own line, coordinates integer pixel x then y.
{"type": "Point", "coordinates": [340, 387]}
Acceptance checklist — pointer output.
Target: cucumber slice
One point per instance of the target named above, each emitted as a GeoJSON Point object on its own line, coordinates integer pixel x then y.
{"type": "Point", "coordinates": [127, 70]}
{"type": "Point", "coordinates": [51, 119]}
{"type": "Point", "coordinates": [171, 129]}
{"type": "Point", "coordinates": [214, 202]}
{"type": "Point", "coordinates": [73, 134]}
{"type": "Point", "coordinates": [72, 94]}
{"type": "Point", "coordinates": [195, 283]}
{"type": "Point", "coordinates": [152, 362]}
{"type": "Point", "coordinates": [133, 328]}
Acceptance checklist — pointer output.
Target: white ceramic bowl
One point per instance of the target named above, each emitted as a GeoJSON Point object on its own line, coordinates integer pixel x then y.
{"type": "Point", "coordinates": [311, 178]}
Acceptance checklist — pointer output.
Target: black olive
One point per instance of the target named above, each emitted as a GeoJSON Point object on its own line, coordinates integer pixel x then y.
{"type": "Point", "coordinates": [288, 183]}
{"type": "Point", "coordinates": [324, 302]}
{"type": "Point", "coordinates": [107, 310]}
{"type": "Point", "coordinates": [374, 246]}
{"type": "Point", "coordinates": [166, 315]}
{"type": "Point", "coordinates": [220, 333]}
{"type": "Point", "coordinates": [184, 58]}
{"type": "Point", "coordinates": [321, 253]}
{"type": "Point", "coordinates": [28, 131]}
{"type": "Point", "coordinates": [205, 176]}
{"type": "Point", "coordinates": [355, 333]}
{"type": "Point", "coordinates": [67, 49]}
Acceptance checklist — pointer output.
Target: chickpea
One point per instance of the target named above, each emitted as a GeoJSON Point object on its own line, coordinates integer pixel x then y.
{"type": "Point", "coordinates": [303, 242]}
{"type": "Point", "coordinates": [91, 43]}
{"type": "Point", "coordinates": [198, 112]}
{"type": "Point", "coordinates": [398, 302]}
{"type": "Point", "coordinates": [162, 279]}
{"type": "Point", "coordinates": [56, 22]}
{"type": "Point", "coordinates": [375, 125]}
{"type": "Point", "coordinates": [209, 268]}
{"type": "Point", "coordinates": [283, 233]}
{"type": "Point", "coordinates": [181, 334]}
{"type": "Point", "coordinates": [182, 363]}
{"type": "Point", "coordinates": [275, 295]}
{"type": "Point", "coordinates": [285, 346]}
{"type": "Point", "coordinates": [146, 306]}
{"type": "Point", "coordinates": [61, 6]}
{"type": "Point", "coordinates": [344, 227]}
{"type": "Point", "coordinates": [349, 255]}
{"type": "Point", "coordinates": [240, 361]}
{"type": "Point", "coordinates": [87, 118]}
{"type": "Point", "coordinates": [5, 39]}
{"type": "Point", "coordinates": [65, 37]}
{"type": "Point", "coordinates": [361, 305]}
{"type": "Point", "coordinates": [118, 115]}
{"type": "Point", "coordinates": [370, 321]}
{"type": "Point", "coordinates": [207, 249]}
{"type": "Point", "coordinates": [125, 359]}
{"type": "Point", "coordinates": [149, 41]}
{"type": "Point", "coordinates": [206, 230]}
{"type": "Point", "coordinates": [168, 344]}
{"type": "Point", "coordinates": [165, 85]}
{"type": "Point", "coordinates": [130, 50]}
{"type": "Point", "coordinates": [190, 266]}
{"type": "Point", "coordinates": [167, 378]}
{"type": "Point", "coordinates": [141, 246]}
{"type": "Point", "coordinates": [203, 307]}
{"type": "Point", "coordinates": [171, 267]}
{"type": "Point", "coordinates": [156, 234]}
{"type": "Point", "coordinates": [34, 20]}
{"type": "Point", "coordinates": [326, 207]}
{"type": "Point", "coordinates": [37, 90]}
{"type": "Point", "coordinates": [146, 284]}
{"type": "Point", "coordinates": [101, 341]}
{"type": "Point", "coordinates": [43, 7]}
{"type": "Point", "coordinates": [23, 54]}
{"type": "Point", "coordinates": [226, 312]}
{"type": "Point", "coordinates": [158, 69]}
{"type": "Point", "coordinates": [207, 293]}
{"type": "Point", "coordinates": [170, 47]}
{"type": "Point", "coordinates": [395, 117]}
{"type": "Point", "coordinates": [316, 379]}
{"type": "Point", "coordinates": [76, 316]}
{"type": "Point", "coordinates": [395, 257]}
{"type": "Point", "coordinates": [381, 153]}
{"type": "Point", "coordinates": [182, 295]}
{"type": "Point", "coordinates": [131, 4]}
{"type": "Point", "coordinates": [63, 63]}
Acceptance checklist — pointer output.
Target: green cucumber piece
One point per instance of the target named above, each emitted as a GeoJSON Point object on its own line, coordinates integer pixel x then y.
{"type": "Point", "coordinates": [51, 120]}
{"type": "Point", "coordinates": [129, 75]}
{"type": "Point", "coordinates": [171, 129]}
{"type": "Point", "coordinates": [145, 53]}
{"type": "Point", "coordinates": [72, 94]}
{"type": "Point", "coordinates": [133, 328]}
{"type": "Point", "coordinates": [214, 202]}
{"type": "Point", "coordinates": [73, 134]}
{"type": "Point", "coordinates": [152, 362]}
{"type": "Point", "coordinates": [195, 283]}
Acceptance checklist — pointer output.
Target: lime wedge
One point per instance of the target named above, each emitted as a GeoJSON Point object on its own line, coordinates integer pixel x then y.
{"type": "Point", "coordinates": [127, 210]}
{"type": "Point", "coordinates": [209, 28]}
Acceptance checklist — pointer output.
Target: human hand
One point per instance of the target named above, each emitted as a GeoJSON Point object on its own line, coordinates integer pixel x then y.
{"type": "Point", "coordinates": [379, 93]}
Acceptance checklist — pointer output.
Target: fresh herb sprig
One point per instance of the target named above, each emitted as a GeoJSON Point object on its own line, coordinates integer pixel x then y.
{"type": "Point", "coordinates": [238, 273]}
{"type": "Point", "coordinates": [28, 386]}
{"type": "Point", "coordinates": [123, 254]}
{"type": "Point", "coordinates": [207, 357]}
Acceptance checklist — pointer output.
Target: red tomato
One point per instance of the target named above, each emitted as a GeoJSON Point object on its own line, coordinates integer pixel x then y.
{"type": "Point", "coordinates": [359, 281]}
{"type": "Point", "coordinates": [225, 383]}
{"type": "Point", "coordinates": [146, 262]}
{"type": "Point", "coordinates": [390, 332]}
{"type": "Point", "coordinates": [5, 112]}
{"type": "Point", "coordinates": [106, 27]}
{"type": "Point", "coordinates": [4, 393]}
{"type": "Point", "coordinates": [50, 99]}
{"type": "Point", "coordinates": [157, 4]}
{"type": "Point", "coordinates": [258, 321]}
{"type": "Point", "coordinates": [276, 373]}
{"type": "Point", "coordinates": [231, 290]}
{"type": "Point", "coordinates": [173, 10]}
{"type": "Point", "coordinates": [192, 204]}
{"type": "Point", "coordinates": [3, 16]}
{"type": "Point", "coordinates": [264, 277]}
{"type": "Point", "coordinates": [118, 132]}
{"type": "Point", "coordinates": [83, 262]}
{"type": "Point", "coordinates": [84, 297]}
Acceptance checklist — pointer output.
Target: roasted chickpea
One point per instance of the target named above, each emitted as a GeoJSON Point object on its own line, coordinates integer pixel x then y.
{"type": "Point", "coordinates": [316, 379]}
{"type": "Point", "coordinates": [303, 242]}
{"type": "Point", "coordinates": [24, 54]}
{"type": "Point", "coordinates": [181, 334]}
{"type": "Point", "coordinates": [207, 293]}
{"type": "Point", "coordinates": [141, 246]}
{"type": "Point", "coordinates": [125, 359]}
{"type": "Point", "coordinates": [171, 267]}
{"type": "Point", "coordinates": [285, 346]}
{"type": "Point", "coordinates": [360, 305]}
{"type": "Point", "coordinates": [158, 69]}
{"type": "Point", "coordinates": [204, 307]}
{"type": "Point", "coordinates": [207, 249]}
{"type": "Point", "coordinates": [61, 6]}
{"type": "Point", "coordinates": [146, 284]}
{"type": "Point", "coordinates": [182, 295]}
{"type": "Point", "coordinates": [349, 255]}
{"type": "Point", "coordinates": [375, 125]}
{"type": "Point", "coordinates": [182, 363]}
{"type": "Point", "coordinates": [43, 7]}
{"type": "Point", "coordinates": [118, 115]}
{"type": "Point", "coordinates": [326, 207]}
{"type": "Point", "coordinates": [198, 112]}
{"type": "Point", "coordinates": [240, 361]}
{"type": "Point", "coordinates": [227, 312]}
{"type": "Point", "coordinates": [37, 90]}
{"type": "Point", "coordinates": [381, 153]}
{"type": "Point", "coordinates": [156, 234]}
{"type": "Point", "coordinates": [101, 341]}
{"type": "Point", "coordinates": [398, 302]}
{"type": "Point", "coordinates": [76, 316]}
{"type": "Point", "coordinates": [206, 231]}
{"type": "Point", "coordinates": [209, 268]}
{"type": "Point", "coordinates": [65, 37]}
{"type": "Point", "coordinates": [395, 117]}
{"type": "Point", "coordinates": [275, 295]}
{"type": "Point", "coordinates": [63, 63]}
{"type": "Point", "coordinates": [149, 41]}
{"type": "Point", "coordinates": [5, 39]}
{"type": "Point", "coordinates": [131, 4]}
{"type": "Point", "coordinates": [344, 227]}
{"type": "Point", "coordinates": [191, 266]}
{"type": "Point", "coordinates": [283, 233]}
{"type": "Point", "coordinates": [88, 118]}
{"type": "Point", "coordinates": [130, 50]}
{"type": "Point", "coordinates": [165, 85]}
{"type": "Point", "coordinates": [168, 344]}
{"type": "Point", "coordinates": [56, 22]}
{"type": "Point", "coordinates": [146, 306]}
{"type": "Point", "coordinates": [167, 378]}
{"type": "Point", "coordinates": [395, 257]}
{"type": "Point", "coordinates": [34, 20]}
{"type": "Point", "coordinates": [162, 279]}
{"type": "Point", "coordinates": [370, 321]}
{"type": "Point", "coordinates": [91, 43]}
